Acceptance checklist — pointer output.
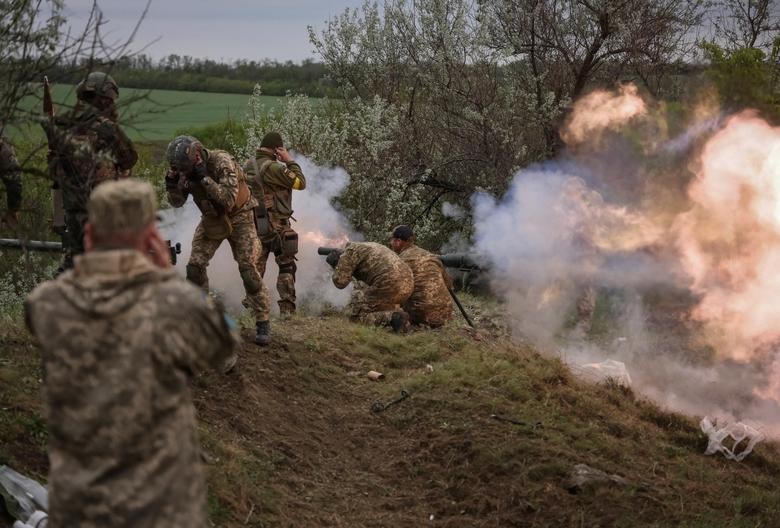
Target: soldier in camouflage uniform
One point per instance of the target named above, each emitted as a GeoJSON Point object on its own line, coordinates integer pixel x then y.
{"type": "Point", "coordinates": [430, 302]}
{"type": "Point", "coordinates": [272, 176]}
{"type": "Point", "coordinates": [89, 148]}
{"type": "Point", "coordinates": [121, 335]}
{"type": "Point", "coordinates": [218, 186]}
{"type": "Point", "coordinates": [10, 174]}
{"type": "Point", "coordinates": [389, 282]}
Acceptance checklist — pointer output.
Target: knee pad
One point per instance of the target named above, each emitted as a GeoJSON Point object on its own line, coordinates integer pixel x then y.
{"type": "Point", "coordinates": [196, 274]}
{"type": "Point", "coordinates": [288, 268]}
{"type": "Point", "coordinates": [251, 280]}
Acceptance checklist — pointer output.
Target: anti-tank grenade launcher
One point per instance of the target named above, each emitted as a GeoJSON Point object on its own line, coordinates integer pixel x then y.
{"type": "Point", "coordinates": [461, 261]}
{"type": "Point", "coordinates": [47, 246]}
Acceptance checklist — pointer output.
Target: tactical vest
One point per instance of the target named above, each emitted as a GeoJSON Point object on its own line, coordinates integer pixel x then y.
{"type": "Point", "coordinates": [216, 220]}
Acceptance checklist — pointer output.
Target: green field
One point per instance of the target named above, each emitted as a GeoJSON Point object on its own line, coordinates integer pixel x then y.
{"type": "Point", "coordinates": [154, 115]}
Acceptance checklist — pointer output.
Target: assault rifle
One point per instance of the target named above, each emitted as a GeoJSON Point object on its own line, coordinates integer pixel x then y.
{"type": "Point", "coordinates": [56, 247]}
{"type": "Point", "coordinates": [453, 260]}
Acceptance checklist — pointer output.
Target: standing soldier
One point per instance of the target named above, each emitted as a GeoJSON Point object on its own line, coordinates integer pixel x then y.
{"type": "Point", "coordinates": [272, 177]}
{"type": "Point", "coordinates": [11, 175]}
{"type": "Point", "coordinates": [121, 335]}
{"type": "Point", "coordinates": [218, 187]}
{"type": "Point", "coordinates": [88, 148]}
{"type": "Point", "coordinates": [430, 303]}
{"type": "Point", "coordinates": [389, 283]}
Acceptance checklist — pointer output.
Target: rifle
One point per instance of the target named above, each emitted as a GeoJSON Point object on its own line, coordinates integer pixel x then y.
{"type": "Point", "coordinates": [58, 212]}
{"type": "Point", "coordinates": [48, 246]}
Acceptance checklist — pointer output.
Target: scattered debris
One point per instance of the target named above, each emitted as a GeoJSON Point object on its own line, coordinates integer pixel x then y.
{"type": "Point", "coordinates": [583, 476]}
{"type": "Point", "coordinates": [507, 419]}
{"type": "Point", "coordinates": [25, 499]}
{"type": "Point", "coordinates": [428, 368]}
{"type": "Point", "coordinates": [609, 369]}
{"type": "Point", "coordinates": [719, 434]}
{"type": "Point", "coordinates": [378, 407]}
{"type": "Point", "coordinates": [373, 375]}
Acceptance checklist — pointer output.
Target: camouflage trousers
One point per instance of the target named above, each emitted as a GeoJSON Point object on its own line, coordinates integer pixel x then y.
{"type": "Point", "coordinates": [13, 189]}
{"type": "Point", "coordinates": [428, 314]}
{"type": "Point", "coordinates": [285, 281]}
{"type": "Point", "coordinates": [375, 304]}
{"type": "Point", "coordinates": [245, 246]}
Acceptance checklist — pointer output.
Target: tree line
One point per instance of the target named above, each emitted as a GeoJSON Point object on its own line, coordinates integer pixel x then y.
{"type": "Point", "coordinates": [183, 72]}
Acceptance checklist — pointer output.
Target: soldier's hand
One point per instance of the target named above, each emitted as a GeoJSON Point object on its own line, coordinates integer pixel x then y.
{"type": "Point", "coordinates": [282, 154]}
{"type": "Point", "coordinates": [159, 253]}
{"type": "Point", "coordinates": [198, 171]}
{"type": "Point", "coordinates": [333, 258]}
{"type": "Point", "coordinates": [171, 180]}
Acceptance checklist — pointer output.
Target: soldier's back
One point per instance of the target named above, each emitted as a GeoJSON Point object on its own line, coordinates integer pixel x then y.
{"type": "Point", "coordinates": [117, 364]}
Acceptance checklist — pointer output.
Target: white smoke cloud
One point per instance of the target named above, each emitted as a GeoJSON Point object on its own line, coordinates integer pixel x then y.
{"type": "Point", "coordinates": [318, 223]}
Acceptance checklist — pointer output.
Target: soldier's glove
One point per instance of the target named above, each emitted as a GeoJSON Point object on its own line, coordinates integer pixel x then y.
{"type": "Point", "coordinates": [333, 258]}
{"type": "Point", "coordinates": [171, 181]}
{"type": "Point", "coordinates": [198, 172]}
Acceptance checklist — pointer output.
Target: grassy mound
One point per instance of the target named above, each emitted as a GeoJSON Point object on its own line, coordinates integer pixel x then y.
{"type": "Point", "coordinates": [290, 439]}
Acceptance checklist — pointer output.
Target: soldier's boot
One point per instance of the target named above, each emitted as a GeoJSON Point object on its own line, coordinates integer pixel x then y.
{"type": "Point", "coordinates": [263, 335]}
{"type": "Point", "coordinates": [399, 321]}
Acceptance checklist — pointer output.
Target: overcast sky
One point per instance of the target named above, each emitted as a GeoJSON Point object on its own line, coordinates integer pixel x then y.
{"type": "Point", "coordinates": [226, 29]}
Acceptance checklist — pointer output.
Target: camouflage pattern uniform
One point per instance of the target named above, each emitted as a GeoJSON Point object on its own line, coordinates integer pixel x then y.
{"type": "Point", "coordinates": [274, 186]}
{"type": "Point", "coordinates": [91, 149]}
{"type": "Point", "coordinates": [430, 303]}
{"type": "Point", "coordinates": [223, 193]}
{"type": "Point", "coordinates": [120, 341]}
{"type": "Point", "coordinates": [389, 281]}
{"type": "Point", "coordinates": [10, 174]}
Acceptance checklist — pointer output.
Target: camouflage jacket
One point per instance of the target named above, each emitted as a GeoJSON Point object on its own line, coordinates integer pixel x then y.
{"type": "Point", "coordinates": [275, 185]}
{"type": "Point", "coordinates": [120, 341]}
{"type": "Point", "coordinates": [371, 263]}
{"type": "Point", "coordinates": [430, 280]}
{"type": "Point", "coordinates": [89, 148]}
{"type": "Point", "coordinates": [223, 190]}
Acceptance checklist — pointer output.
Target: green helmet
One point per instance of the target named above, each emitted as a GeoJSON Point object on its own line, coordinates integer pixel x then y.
{"type": "Point", "coordinates": [272, 140]}
{"type": "Point", "coordinates": [97, 83]}
{"type": "Point", "coordinates": [181, 152]}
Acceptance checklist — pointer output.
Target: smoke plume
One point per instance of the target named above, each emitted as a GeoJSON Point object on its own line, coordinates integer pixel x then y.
{"type": "Point", "coordinates": [679, 237]}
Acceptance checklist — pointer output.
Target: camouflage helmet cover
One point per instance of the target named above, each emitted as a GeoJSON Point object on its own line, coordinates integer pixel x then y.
{"type": "Point", "coordinates": [181, 152]}
{"type": "Point", "coordinates": [97, 83]}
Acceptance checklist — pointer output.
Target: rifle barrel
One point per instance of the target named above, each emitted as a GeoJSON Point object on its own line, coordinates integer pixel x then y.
{"type": "Point", "coordinates": [31, 245]}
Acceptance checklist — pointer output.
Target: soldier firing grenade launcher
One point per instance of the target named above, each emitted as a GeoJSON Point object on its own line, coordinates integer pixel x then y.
{"type": "Point", "coordinates": [25, 499]}
{"type": "Point", "coordinates": [56, 247]}
{"type": "Point", "coordinates": [453, 260]}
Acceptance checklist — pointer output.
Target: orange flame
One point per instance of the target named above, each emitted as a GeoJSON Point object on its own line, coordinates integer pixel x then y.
{"type": "Point", "coordinates": [730, 239]}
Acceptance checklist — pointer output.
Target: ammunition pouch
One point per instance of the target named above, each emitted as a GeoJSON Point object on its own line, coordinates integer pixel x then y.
{"type": "Point", "coordinates": [263, 223]}
{"type": "Point", "coordinates": [289, 243]}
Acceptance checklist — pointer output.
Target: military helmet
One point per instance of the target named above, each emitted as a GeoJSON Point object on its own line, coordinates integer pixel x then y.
{"type": "Point", "coordinates": [272, 140]}
{"type": "Point", "coordinates": [97, 83]}
{"type": "Point", "coordinates": [181, 152]}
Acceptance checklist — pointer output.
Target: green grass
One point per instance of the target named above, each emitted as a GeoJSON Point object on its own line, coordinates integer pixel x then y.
{"type": "Point", "coordinates": [158, 114]}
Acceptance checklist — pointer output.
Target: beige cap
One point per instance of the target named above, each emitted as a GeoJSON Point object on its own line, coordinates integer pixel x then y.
{"type": "Point", "coordinates": [127, 205]}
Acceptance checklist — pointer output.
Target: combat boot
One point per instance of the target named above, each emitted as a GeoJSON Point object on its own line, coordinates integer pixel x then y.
{"type": "Point", "coordinates": [263, 337]}
{"type": "Point", "coordinates": [399, 321]}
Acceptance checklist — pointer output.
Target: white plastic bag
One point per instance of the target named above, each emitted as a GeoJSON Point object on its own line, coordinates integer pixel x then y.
{"type": "Point", "coordinates": [734, 440]}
